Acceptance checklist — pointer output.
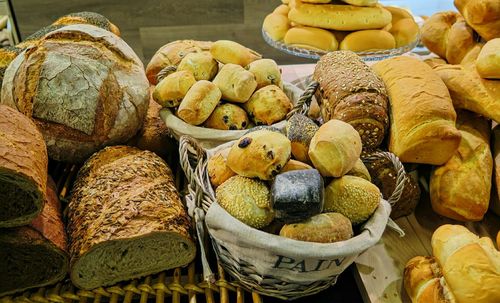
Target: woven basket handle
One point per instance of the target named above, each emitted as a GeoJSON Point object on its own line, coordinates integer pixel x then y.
{"type": "Point", "coordinates": [167, 70]}
{"type": "Point", "coordinates": [302, 105]}
{"type": "Point", "coordinates": [194, 161]}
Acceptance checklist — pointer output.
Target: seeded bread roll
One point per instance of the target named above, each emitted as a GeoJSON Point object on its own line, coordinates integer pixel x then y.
{"type": "Point", "coordinates": [354, 197]}
{"type": "Point", "coordinates": [300, 130]}
{"type": "Point", "coordinates": [268, 105]}
{"type": "Point", "coordinates": [170, 91]}
{"type": "Point", "coordinates": [217, 168]}
{"type": "Point", "coordinates": [35, 255]}
{"type": "Point", "coordinates": [350, 91]}
{"type": "Point", "coordinates": [322, 228]}
{"type": "Point", "coordinates": [201, 65]}
{"type": "Point", "coordinates": [235, 83]}
{"type": "Point", "coordinates": [226, 51]}
{"type": "Point", "coordinates": [247, 200]}
{"type": "Point", "coordinates": [125, 219]}
{"type": "Point", "coordinates": [259, 154]}
{"type": "Point", "coordinates": [23, 169]}
{"type": "Point", "coordinates": [267, 72]}
{"type": "Point", "coordinates": [228, 116]}
{"type": "Point", "coordinates": [199, 102]}
{"type": "Point", "coordinates": [335, 148]}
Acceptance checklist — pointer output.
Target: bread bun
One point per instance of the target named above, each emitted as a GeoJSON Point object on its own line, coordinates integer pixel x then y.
{"type": "Point", "coordinates": [368, 40]}
{"type": "Point", "coordinates": [311, 38]}
{"type": "Point", "coordinates": [488, 61]}
{"type": "Point", "coordinates": [226, 51]}
{"type": "Point", "coordinates": [405, 31]}
{"type": "Point", "coordinates": [282, 9]}
{"type": "Point", "coordinates": [228, 116]}
{"type": "Point", "coordinates": [295, 165]}
{"type": "Point", "coordinates": [199, 102]}
{"type": "Point", "coordinates": [266, 72]}
{"type": "Point", "coordinates": [170, 91]}
{"type": "Point", "coordinates": [259, 154]}
{"type": "Point", "coordinates": [335, 148]}
{"type": "Point", "coordinates": [322, 228]}
{"type": "Point", "coordinates": [217, 168]}
{"type": "Point", "coordinates": [235, 83]}
{"type": "Point", "coordinates": [201, 65]}
{"type": "Point", "coordinates": [276, 26]}
{"type": "Point", "coordinates": [398, 13]}
{"type": "Point", "coordinates": [268, 105]}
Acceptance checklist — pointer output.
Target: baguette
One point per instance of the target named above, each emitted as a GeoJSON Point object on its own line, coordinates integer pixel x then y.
{"type": "Point", "coordinates": [422, 114]}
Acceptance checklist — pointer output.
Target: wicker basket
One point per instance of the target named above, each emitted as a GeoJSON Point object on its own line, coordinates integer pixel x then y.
{"type": "Point", "coordinates": [244, 267]}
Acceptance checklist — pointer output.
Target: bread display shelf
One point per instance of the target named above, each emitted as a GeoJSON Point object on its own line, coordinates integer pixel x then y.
{"type": "Point", "coordinates": [374, 55]}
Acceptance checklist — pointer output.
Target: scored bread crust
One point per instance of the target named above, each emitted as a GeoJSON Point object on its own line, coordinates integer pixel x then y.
{"type": "Point", "coordinates": [350, 91]}
{"type": "Point", "coordinates": [125, 208]}
{"type": "Point", "coordinates": [84, 87]}
{"type": "Point", "coordinates": [23, 161]}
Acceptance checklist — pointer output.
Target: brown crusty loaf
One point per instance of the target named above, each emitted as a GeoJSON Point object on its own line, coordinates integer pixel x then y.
{"type": "Point", "coordinates": [23, 169]}
{"type": "Point", "coordinates": [84, 87]}
{"type": "Point", "coordinates": [34, 255]}
{"type": "Point", "coordinates": [171, 54]}
{"type": "Point", "coordinates": [422, 114]}
{"type": "Point", "coordinates": [460, 189]}
{"type": "Point", "coordinates": [350, 91]}
{"type": "Point", "coordinates": [421, 278]}
{"type": "Point", "coordinates": [482, 15]}
{"type": "Point", "coordinates": [125, 219]}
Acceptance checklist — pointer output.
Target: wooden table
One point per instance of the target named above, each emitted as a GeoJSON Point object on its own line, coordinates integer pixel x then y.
{"type": "Point", "coordinates": [378, 271]}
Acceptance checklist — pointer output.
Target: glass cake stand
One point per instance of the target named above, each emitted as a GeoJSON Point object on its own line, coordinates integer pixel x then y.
{"type": "Point", "coordinates": [374, 55]}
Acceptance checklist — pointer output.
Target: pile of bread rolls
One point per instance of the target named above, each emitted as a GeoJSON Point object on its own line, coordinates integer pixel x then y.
{"type": "Point", "coordinates": [221, 85]}
{"type": "Point", "coordinates": [356, 25]}
{"type": "Point", "coordinates": [308, 184]}
{"type": "Point", "coordinates": [464, 268]}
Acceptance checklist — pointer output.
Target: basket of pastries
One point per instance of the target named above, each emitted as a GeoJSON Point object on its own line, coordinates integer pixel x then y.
{"type": "Point", "coordinates": [216, 91]}
{"type": "Point", "coordinates": [312, 28]}
{"type": "Point", "coordinates": [288, 210]}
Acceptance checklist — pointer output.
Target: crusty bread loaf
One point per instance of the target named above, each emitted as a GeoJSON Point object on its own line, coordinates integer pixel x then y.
{"type": "Point", "coordinates": [460, 189]}
{"type": "Point", "coordinates": [371, 39]}
{"type": "Point", "coordinates": [23, 169]}
{"type": "Point", "coordinates": [471, 92]}
{"type": "Point", "coordinates": [422, 278]}
{"type": "Point", "coordinates": [340, 17]}
{"type": "Point", "coordinates": [482, 15]}
{"type": "Point", "coordinates": [322, 228]}
{"type": "Point", "coordinates": [171, 54]}
{"type": "Point", "coordinates": [35, 255]}
{"type": "Point", "coordinates": [488, 61]}
{"type": "Point", "coordinates": [125, 219]}
{"type": "Point", "coordinates": [311, 38]}
{"type": "Point", "coordinates": [470, 265]}
{"type": "Point", "coordinates": [422, 115]}
{"type": "Point", "coordinates": [350, 91]}
{"type": "Point", "coordinates": [84, 87]}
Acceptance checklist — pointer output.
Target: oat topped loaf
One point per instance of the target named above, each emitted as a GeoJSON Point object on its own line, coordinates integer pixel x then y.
{"type": "Point", "coordinates": [125, 219]}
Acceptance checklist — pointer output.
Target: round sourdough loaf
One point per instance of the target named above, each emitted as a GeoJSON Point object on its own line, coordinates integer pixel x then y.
{"type": "Point", "coordinates": [84, 87]}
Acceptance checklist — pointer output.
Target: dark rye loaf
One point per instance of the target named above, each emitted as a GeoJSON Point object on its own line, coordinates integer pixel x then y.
{"type": "Point", "coordinates": [84, 87]}
{"type": "Point", "coordinates": [125, 219]}
{"type": "Point", "coordinates": [23, 169]}
{"type": "Point", "coordinates": [34, 255]}
{"type": "Point", "coordinates": [350, 91]}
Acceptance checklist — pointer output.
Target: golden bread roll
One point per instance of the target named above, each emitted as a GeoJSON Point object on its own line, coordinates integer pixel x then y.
{"type": "Point", "coordinates": [495, 198]}
{"type": "Point", "coordinates": [322, 228]}
{"type": "Point", "coordinates": [398, 13]}
{"type": "Point", "coordinates": [228, 116]}
{"type": "Point", "coordinates": [199, 102]}
{"type": "Point", "coordinates": [360, 170]}
{"type": "Point", "coordinates": [340, 17]}
{"type": "Point", "coordinates": [295, 165]}
{"type": "Point", "coordinates": [335, 148]}
{"type": "Point", "coordinates": [354, 197]}
{"type": "Point", "coordinates": [422, 114]}
{"type": "Point", "coordinates": [268, 105]}
{"type": "Point", "coordinates": [217, 168]}
{"type": "Point", "coordinates": [201, 65]}
{"type": "Point", "coordinates": [482, 15]}
{"type": "Point", "coordinates": [361, 2]}
{"type": "Point", "coordinates": [470, 265]}
{"type": "Point", "coordinates": [368, 40]}
{"type": "Point", "coordinates": [259, 154]}
{"type": "Point", "coordinates": [282, 9]}
{"type": "Point", "coordinates": [435, 62]}
{"type": "Point", "coordinates": [460, 189]}
{"type": "Point", "coordinates": [422, 278]}
{"type": "Point", "coordinates": [488, 61]}
{"type": "Point", "coordinates": [311, 38]}
{"type": "Point", "coordinates": [170, 91]}
{"type": "Point", "coordinates": [405, 31]}
{"type": "Point", "coordinates": [300, 129]}
{"type": "Point", "coordinates": [266, 72]}
{"type": "Point", "coordinates": [235, 83]}
{"type": "Point", "coordinates": [226, 51]}
{"type": "Point", "coordinates": [276, 26]}
{"type": "Point", "coordinates": [247, 200]}
{"type": "Point", "coordinates": [469, 91]}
